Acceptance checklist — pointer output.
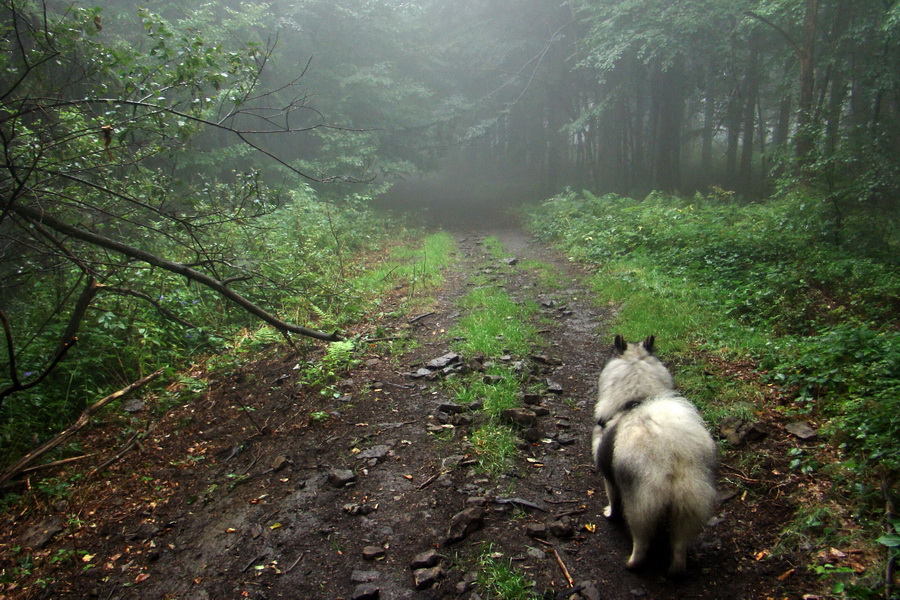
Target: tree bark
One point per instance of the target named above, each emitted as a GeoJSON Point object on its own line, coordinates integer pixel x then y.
{"type": "Point", "coordinates": [805, 138]}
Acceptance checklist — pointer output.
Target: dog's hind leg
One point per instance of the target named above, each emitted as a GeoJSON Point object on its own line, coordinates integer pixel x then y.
{"type": "Point", "coordinates": [683, 526]}
{"type": "Point", "coordinates": [613, 510]}
{"type": "Point", "coordinates": [643, 515]}
{"type": "Point", "coordinates": [642, 533]}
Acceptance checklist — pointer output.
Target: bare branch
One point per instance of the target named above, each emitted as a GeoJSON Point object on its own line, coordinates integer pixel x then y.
{"type": "Point", "coordinates": [145, 297]}
{"type": "Point", "coordinates": [173, 267]}
{"type": "Point", "coordinates": [83, 420]}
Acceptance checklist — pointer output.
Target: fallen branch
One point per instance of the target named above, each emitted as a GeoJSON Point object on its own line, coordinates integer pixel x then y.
{"type": "Point", "coordinates": [83, 420]}
{"type": "Point", "coordinates": [95, 239]}
{"type": "Point", "coordinates": [889, 517]}
{"type": "Point", "coordinates": [562, 566]}
{"type": "Point", "coordinates": [56, 463]}
{"type": "Point", "coordinates": [294, 564]}
{"type": "Point", "coordinates": [420, 317]}
{"type": "Point", "coordinates": [129, 445]}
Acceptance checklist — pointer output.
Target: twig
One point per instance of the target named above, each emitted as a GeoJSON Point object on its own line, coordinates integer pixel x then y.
{"type": "Point", "coordinates": [294, 564]}
{"type": "Point", "coordinates": [131, 443]}
{"type": "Point", "coordinates": [430, 480]}
{"type": "Point", "coordinates": [398, 385]}
{"type": "Point", "coordinates": [569, 513]}
{"type": "Point", "coordinates": [56, 463]}
{"type": "Point", "coordinates": [420, 317]}
{"type": "Point", "coordinates": [518, 502]}
{"type": "Point", "coordinates": [562, 566]}
{"type": "Point", "coordinates": [250, 564]}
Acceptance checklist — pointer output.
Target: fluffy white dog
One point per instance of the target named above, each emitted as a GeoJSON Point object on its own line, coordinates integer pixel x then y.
{"type": "Point", "coordinates": [657, 458]}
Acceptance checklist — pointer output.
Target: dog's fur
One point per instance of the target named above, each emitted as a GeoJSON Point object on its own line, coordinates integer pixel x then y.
{"type": "Point", "coordinates": [656, 456]}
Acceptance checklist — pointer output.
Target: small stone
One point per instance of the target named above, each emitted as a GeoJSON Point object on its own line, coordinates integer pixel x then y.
{"type": "Point", "coordinates": [589, 591]}
{"type": "Point", "coordinates": [491, 379]}
{"type": "Point", "coordinates": [536, 530]}
{"type": "Point", "coordinates": [532, 399]}
{"type": "Point", "coordinates": [736, 431]}
{"type": "Point", "coordinates": [375, 452]}
{"type": "Point", "coordinates": [519, 416]}
{"type": "Point", "coordinates": [134, 405]}
{"type": "Point", "coordinates": [422, 374]}
{"type": "Point", "coordinates": [442, 361]}
{"type": "Point", "coordinates": [565, 439]}
{"type": "Point", "coordinates": [802, 430]}
{"type": "Point", "coordinates": [464, 523]}
{"type": "Point", "coordinates": [511, 261]}
{"type": "Point", "coordinates": [373, 552]}
{"type": "Point", "coordinates": [360, 509]}
{"type": "Point", "coordinates": [553, 387]}
{"type": "Point", "coordinates": [40, 535]}
{"type": "Point", "coordinates": [425, 578]}
{"type": "Point", "coordinates": [451, 408]}
{"type": "Point", "coordinates": [425, 560]}
{"type": "Point", "coordinates": [532, 435]}
{"type": "Point", "coordinates": [366, 591]}
{"type": "Point", "coordinates": [341, 477]}
{"type": "Point", "coordinates": [545, 360]}
{"type": "Point", "coordinates": [359, 576]}
{"type": "Point", "coordinates": [451, 462]}
{"type": "Point", "coordinates": [562, 528]}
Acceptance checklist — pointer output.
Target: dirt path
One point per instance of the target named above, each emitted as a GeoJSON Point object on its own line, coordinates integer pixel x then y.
{"type": "Point", "coordinates": [213, 508]}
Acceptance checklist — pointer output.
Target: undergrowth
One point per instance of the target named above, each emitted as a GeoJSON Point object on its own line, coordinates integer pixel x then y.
{"type": "Point", "coordinates": [335, 277]}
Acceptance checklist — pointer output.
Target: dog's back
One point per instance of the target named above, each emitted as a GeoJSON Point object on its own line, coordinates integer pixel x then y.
{"type": "Point", "coordinates": [664, 463]}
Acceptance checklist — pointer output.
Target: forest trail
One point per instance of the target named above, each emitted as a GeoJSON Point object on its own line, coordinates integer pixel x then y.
{"type": "Point", "coordinates": [225, 502]}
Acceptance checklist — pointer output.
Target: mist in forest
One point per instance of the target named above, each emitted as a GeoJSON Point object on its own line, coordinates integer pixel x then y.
{"type": "Point", "coordinates": [464, 194]}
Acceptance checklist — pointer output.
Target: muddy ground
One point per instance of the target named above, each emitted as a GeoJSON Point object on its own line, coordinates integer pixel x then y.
{"type": "Point", "coordinates": [218, 502]}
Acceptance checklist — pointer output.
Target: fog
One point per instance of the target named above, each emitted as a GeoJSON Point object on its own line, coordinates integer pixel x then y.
{"type": "Point", "coordinates": [460, 193]}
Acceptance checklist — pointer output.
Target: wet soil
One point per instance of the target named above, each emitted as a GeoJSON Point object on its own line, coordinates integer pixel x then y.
{"type": "Point", "coordinates": [237, 494]}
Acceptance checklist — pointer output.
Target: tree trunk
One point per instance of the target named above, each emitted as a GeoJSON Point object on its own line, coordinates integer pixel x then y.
{"type": "Point", "coordinates": [751, 89]}
{"type": "Point", "coordinates": [805, 138]}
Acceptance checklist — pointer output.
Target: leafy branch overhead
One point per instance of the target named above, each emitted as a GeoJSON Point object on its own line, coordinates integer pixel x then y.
{"type": "Point", "coordinates": [100, 137]}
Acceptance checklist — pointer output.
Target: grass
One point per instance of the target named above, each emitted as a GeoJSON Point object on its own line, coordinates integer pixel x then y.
{"type": "Point", "coordinates": [688, 328]}
{"type": "Point", "coordinates": [495, 447]}
{"type": "Point", "coordinates": [499, 580]}
{"type": "Point", "coordinates": [494, 325]}
{"type": "Point", "coordinates": [416, 266]}
{"type": "Point", "coordinates": [547, 275]}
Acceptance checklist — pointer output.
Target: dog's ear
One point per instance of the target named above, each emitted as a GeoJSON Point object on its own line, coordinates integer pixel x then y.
{"type": "Point", "coordinates": [620, 344]}
{"type": "Point", "coordinates": [650, 344]}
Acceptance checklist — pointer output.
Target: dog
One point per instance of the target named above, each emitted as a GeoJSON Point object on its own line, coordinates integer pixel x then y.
{"type": "Point", "coordinates": [656, 456]}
